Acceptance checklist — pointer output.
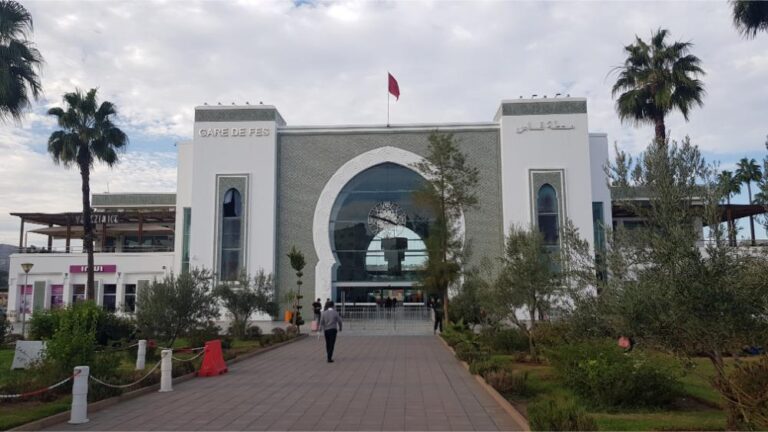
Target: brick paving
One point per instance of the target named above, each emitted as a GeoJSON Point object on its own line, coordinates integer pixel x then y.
{"type": "Point", "coordinates": [377, 383]}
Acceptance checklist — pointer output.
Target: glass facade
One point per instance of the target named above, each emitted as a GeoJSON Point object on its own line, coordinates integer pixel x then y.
{"type": "Point", "coordinates": [377, 229]}
{"type": "Point", "coordinates": [547, 212]}
{"type": "Point", "coordinates": [231, 235]}
{"type": "Point", "coordinates": [598, 224]}
{"type": "Point", "coordinates": [185, 240]}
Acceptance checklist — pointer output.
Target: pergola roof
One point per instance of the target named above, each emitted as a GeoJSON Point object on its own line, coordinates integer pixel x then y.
{"type": "Point", "coordinates": [728, 211]}
{"type": "Point", "coordinates": [110, 218]}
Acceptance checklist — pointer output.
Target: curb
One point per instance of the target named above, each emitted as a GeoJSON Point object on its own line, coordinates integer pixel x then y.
{"type": "Point", "coordinates": [106, 403]}
{"type": "Point", "coordinates": [501, 400]}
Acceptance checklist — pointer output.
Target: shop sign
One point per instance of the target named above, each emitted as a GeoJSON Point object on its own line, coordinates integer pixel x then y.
{"type": "Point", "coordinates": [106, 268]}
{"type": "Point", "coordinates": [99, 219]}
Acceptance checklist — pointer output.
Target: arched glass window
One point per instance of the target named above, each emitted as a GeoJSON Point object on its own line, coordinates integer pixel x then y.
{"type": "Point", "coordinates": [233, 206]}
{"type": "Point", "coordinates": [377, 228]}
{"type": "Point", "coordinates": [231, 235]}
{"type": "Point", "coordinates": [547, 212]}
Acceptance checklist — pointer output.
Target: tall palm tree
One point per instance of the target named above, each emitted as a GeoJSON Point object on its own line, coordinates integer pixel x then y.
{"type": "Point", "coordinates": [748, 171]}
{"type": "Point", "coordinates": [731, 185]}
{"type": "Point", "coordinates": [87, 134]}
{"type": "Point", "coordinates": [20, 61]}
{"type": "Point", "coordinates": [656, 79]}
{"type": "Point", "coordinates": [750, 17]}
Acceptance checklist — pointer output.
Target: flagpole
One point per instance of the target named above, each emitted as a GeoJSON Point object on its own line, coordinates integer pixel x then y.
{"type": "Point", "coordinates": [387, 100]}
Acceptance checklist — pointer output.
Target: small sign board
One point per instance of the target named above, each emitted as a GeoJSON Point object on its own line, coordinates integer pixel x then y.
{"type": "Point", "coordinates": [27, 352]}
{"type": "Point", "coordinates": [104, 268]}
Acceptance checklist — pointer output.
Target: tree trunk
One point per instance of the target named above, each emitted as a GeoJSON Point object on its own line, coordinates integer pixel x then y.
{"type": "Point", "coordinates": [85, 173]}
{"type": "Point", "coordinates": [731, 230]}
{"type": "Point", "coordinates": [751, 218]}
{"type": "Point", "coordinates": [661, 131]}
{"type": "Point", "coordinates": [531, 345]}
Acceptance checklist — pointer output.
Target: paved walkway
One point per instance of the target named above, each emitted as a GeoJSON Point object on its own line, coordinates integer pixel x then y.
{"type": "Point", "coordinates": [377, 383]}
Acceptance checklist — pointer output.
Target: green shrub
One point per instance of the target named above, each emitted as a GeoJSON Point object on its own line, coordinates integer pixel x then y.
{"type": "Point", "coordinates": [549, 334]}
{"type": "Point", "coordinates": [74, 340]}
{"type": "Point", "coordinates": [552, 414]}
{"type": "Point", "coordinates": [106, 367]}
{"type": "Point", "coordinates": [115, 330]}
{"type": "Point", "coordinates": [606, 376]}
{"type": "Point", "coordinates": [291, 331]}
{"type": "Point", "coordinates": [198, 336]}
{"type": "Point", "coordinates": [5, 329]}
{"type": "Point", "coordinates": [110, 328]}
{"type": "Point", "coordinates": [253, 333]}
{"type": "Point", "coordinates": [43, 324]}
{"type": "Point", "coordinates": [505, 341]}
{"type": "Point", "coordinates": [471, 351]}
{"type": "Point", "coordinates": [491, 364]}
{"type": "Point", "coordinates": [278, 335]}
{"type": "Point", "coordinates": [750, 380]}
{"type": "Point", "coordinates": [508, 382]}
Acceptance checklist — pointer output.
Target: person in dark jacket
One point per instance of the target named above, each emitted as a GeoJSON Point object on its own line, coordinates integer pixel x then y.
{"type": "Point", "coordinates": [437, 306]}
{"type": "Point", "coordinates": [317, 309]}
{"type": "Point", "coordinates": [330, 324]}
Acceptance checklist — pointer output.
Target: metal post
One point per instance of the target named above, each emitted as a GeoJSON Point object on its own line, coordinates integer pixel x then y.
{"type": "Point", "coordinates": [26, 267]}
{"type": "Point", "coordinates": [166, 379]}
{"type": "Point", "coordinates": [79, 412]}
{"type": "Point", "coordinates": [141, 355]}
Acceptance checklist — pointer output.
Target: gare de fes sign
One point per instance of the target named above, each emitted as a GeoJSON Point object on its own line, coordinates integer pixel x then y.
{"type": "Point", "coordinates": [233, 132]}
{"type": "Point", "coordinates": [106, 268]}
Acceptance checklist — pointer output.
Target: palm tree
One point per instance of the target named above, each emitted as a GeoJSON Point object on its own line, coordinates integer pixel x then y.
{"type": "Point", "coordinates": [87, 134]}
{"type": "Point", "coordinates": [731, 185]}
{"type": "Point", "coordinates": [19, 61]}
{"type": "Point", "coordinates": [749, 17]}
{"type": "Point", "coordinates": [656, 79]}
{"type": "Point", "coordinates": [748, 171]}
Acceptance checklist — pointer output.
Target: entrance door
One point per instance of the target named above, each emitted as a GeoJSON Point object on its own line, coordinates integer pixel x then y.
{"type": "Point", "coordinates": [383, 310]}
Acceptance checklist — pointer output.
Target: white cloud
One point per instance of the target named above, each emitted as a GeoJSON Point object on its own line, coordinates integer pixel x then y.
{"type": "Point", "coordinates": [324, 62]}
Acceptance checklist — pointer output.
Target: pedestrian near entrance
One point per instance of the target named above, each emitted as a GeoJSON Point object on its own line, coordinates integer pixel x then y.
{"type": "Point", "coordinates": [317, 309]}
{"type": "Point", "coordinates": [330, 324]}
{"type": "Point", "coordinates": [437, 306]}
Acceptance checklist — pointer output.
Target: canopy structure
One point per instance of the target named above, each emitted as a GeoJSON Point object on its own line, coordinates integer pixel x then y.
{"type": "Point", "coordinates": [728, 212]}
{"type": "Point", "coordinates": [70, 225]}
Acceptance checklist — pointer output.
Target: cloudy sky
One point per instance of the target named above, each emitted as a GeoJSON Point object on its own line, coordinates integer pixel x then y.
{"type": "Point", "coordinates": [324, 62]}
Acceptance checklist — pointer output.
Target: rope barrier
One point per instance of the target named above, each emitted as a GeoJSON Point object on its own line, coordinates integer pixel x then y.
{"type": "Point", "coordinates": [117, 349]}
{"type": "Point", "coordinates": [43, 390]}
{"type": "Point", "coordinates": [189, 359]}
{"type": "Point", "coordinates": [126, 385]}
{"type": "Point", "coordinates": [182, 349]}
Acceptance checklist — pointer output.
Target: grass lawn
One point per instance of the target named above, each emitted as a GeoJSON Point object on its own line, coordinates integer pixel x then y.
{"type": "Point", "coordinates": [543, 381]}
{"type": "Point", "coordinates": [12, 415]}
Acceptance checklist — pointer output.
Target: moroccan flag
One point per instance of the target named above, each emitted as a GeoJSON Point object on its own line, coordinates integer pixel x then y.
{"type": "Point", "coordinates": [393, 87]}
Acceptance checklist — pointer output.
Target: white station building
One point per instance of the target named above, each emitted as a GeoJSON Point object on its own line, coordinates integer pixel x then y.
{"type": "Point", "coordinates": [250, 187]}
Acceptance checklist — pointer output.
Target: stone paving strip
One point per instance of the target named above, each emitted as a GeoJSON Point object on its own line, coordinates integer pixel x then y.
{"type": "Point", "coordinates": [377, 383]}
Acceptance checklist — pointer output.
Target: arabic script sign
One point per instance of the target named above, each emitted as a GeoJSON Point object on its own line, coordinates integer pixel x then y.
{"type": "Point", "coordinates": [551, 125]}
{"type": "Point", "coordinates": [107, 268]}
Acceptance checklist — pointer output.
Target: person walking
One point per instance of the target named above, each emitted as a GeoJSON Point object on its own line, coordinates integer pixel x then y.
{"type": "Point", "coordinates": [317, 308]}
{"type": "Point", "coordinates": [329, 321]}
{"type": "Point", "coordinates": [437, 306]}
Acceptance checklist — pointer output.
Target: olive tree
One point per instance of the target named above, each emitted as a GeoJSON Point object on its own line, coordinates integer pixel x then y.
{"type": "Point", "coordinates": [168, 307]}
{"type": "Point", "coordinates": [670, 288]}
{"type": "Point", "coordinates": [246, 296]}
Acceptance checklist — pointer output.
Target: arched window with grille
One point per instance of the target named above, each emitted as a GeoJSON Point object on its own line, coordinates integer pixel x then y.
{"type": "Point", "coordinates": [231, 235]}
{"type": "Point", "coordinates": [548, 214]}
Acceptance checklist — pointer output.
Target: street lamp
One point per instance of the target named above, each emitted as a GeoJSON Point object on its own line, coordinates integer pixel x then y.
{"type": "Point", "coordinates": [26, 267]}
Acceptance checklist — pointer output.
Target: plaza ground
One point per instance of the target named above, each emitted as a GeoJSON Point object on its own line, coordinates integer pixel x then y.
{"type": "Point", "coordinates": [376, 383]}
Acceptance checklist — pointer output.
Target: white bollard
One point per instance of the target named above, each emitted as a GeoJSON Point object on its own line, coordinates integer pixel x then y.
{"type": "Point", "coordinates": [166, 379]}
{"type": "Point", "coordinates": [141, 355]}
{"type": "Point", "coordinates": [79, 413]}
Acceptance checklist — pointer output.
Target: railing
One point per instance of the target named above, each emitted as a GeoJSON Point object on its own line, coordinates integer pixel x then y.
{"type": "Point", "coordinates": [371, 319]}
{"type": "Point", "coordinates": [81, 249]}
